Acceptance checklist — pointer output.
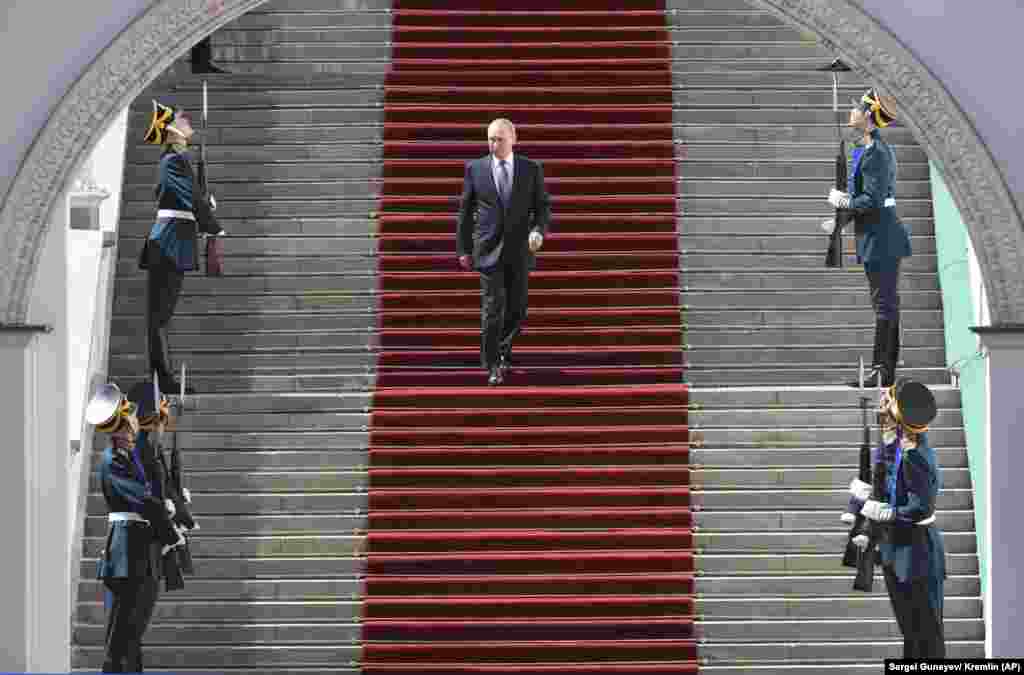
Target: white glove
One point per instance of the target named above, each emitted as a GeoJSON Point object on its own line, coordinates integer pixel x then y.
{"type": "Point", "coordinates": [170, 507]}
{"type": "Point", "coordinates": [536, 241]}
{"type": "Point", "coordinates": [839, 200]}
{"type": "Point", "coordinates": [879, 512]}
{"type": "Point", "coordinates": [829, 226]}
{"type": "Point", "coordinates": [848, 518]}
{"type": "Point", "coordinates": [860, 489]}
{"type": "Point", "coordinates": [860, 541]}
{"type": "Point", "coordinates": [213, 203]}
{"type": "Point", "coordinates": [187, 495]}
{"type": "Point", "coordinates": [181, 541]}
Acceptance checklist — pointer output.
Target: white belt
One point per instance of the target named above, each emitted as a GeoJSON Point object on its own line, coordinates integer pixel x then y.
{"type": "Point", "coordinates": [927, 521]}
{"type": "Point", "coordinates": [172, 213]}
{"type": "Point", "coordinates": [126, 516]}
{"type": "Point", "coordinates": [889, 201]}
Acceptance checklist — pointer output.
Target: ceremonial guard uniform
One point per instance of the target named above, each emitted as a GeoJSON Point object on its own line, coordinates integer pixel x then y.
{"type": "Point", "coordinates": [882, 239]}
{"type": "Point", "coordinates": [165, 481]}
{"type": "Point", "coordinates": [910, 549]}
{"type": "Point", "coordinates": [140, 529]}
{"type": "Point", "coordinates": [170, 251]}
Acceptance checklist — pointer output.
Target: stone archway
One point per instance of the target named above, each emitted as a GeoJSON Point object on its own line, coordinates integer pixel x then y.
{"type": "Point", "coordinates": [137, 56]}
{"type": "Point", "coordinates": [144, 50]}
{"type": "Point", "coordinates": [943, 130]}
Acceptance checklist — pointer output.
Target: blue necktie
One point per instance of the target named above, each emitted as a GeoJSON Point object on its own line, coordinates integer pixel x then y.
{"type": "Point", "coordinates": [503, 185]}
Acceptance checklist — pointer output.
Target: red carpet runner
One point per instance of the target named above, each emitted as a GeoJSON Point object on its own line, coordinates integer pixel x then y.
{"type": "Point", "coordinates": [543, 526]}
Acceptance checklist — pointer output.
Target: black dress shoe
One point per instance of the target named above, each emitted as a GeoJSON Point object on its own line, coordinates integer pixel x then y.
{"type": "Point", "coordinates": [208, 68]}
{"type": "Point", "coordinates": [173, 387]}
{"type": "Point", "coordinates": [871, 379]}
{"type": "Point", "coordinates": [495, 377]}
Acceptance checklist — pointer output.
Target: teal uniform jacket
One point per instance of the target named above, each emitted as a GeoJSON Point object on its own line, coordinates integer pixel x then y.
{"type": "Point", "coordinates": [915, 551]}
{"type": "Point", "coordinates": [132, 549]}
{"type": "Point", "coordinates": [881, 238]}
{"type": "Point", "coordinates": [177, 191]}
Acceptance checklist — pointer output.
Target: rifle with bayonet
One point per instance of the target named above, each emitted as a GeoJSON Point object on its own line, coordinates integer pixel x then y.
{"type": "Point", "coordinates": [176, 490]}
{"type": "Point", "coordinates": [834, 253]}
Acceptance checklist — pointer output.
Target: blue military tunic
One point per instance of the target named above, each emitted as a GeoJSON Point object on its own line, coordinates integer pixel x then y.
{"type": "Point", "coordinates": [176, 191]}
{"type": "Point", "coordinates": [132, 550]}
{"type": "Point", "coordinates": [882, 239]}
{"type": "Point", "coordinates": [914, 551]}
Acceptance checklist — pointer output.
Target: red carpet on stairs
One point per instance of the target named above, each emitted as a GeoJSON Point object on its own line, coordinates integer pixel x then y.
{"type": "Point", "coordinates": [543, 526]}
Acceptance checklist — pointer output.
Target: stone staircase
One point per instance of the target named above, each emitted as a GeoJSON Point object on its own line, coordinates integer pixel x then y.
{"type": "Point", "coordinates": [284, 350]}
{"type": "Point", "coordinates": [771, 333]}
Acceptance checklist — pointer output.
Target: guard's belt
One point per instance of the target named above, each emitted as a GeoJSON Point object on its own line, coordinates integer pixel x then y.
{"type": "Point", "coordinates": [173, 213]}
{"type": "Point", "coordinates": [125, 516]}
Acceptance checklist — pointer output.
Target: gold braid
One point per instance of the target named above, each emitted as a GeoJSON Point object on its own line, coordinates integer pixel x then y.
{"type": "Point", "coordinates": [119, 417]}
{"type": "Point", "coordinates": [163, 414]}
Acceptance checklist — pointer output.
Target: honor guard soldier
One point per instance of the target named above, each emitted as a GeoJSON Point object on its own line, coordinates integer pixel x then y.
{"type": "Point", "coordinates": [140, 530]}
{"type": "Point", "coordinates": [183, 210]}
{"type": "Point", "coordinates": [911, 551]}
{"type": "Point", "coordinates": [882, 239]}
{"type": "Point", "coordinates": [153, 420]}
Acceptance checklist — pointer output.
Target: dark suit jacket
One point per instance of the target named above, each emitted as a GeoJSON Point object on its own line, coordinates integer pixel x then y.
{"type": "Point", "coordinates": [488, 228]}
{"type": "Point", "coordinates": [881, 237]}
{"type": "Point", "coordinates": [915, 551]}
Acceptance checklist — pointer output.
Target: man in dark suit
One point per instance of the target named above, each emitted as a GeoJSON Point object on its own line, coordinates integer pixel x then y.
{"type": "Point", "coordinates": [503, 219]}
{"type": "Point", "coordinates": [183, 210]}
{"type": "Point", "coordinates": [882, 239]}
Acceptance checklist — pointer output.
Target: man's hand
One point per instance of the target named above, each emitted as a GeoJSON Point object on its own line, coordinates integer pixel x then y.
{"type": "Point", "coordinates": [169, 505]}
{"type": "Point", "coordinates": [465, 262]}
{"type": "Point", "coordinates": [536, 241]}
{"type": "Point", "coordinates": [213, 203]}
{"type": "Point", "coordinates": [829, 225]}
{"type": "Point", "coordinates": [861, 541]}
{"type": "Point", "coordinates": [840, 200]}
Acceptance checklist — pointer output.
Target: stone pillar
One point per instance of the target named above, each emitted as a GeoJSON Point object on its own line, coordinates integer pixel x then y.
{"type": "Point", "coordinates": [1004, 621]}
{"type": "Point", "coordinates": [35, 624]}
{"type": "Point", "coordinates": [17, 363]}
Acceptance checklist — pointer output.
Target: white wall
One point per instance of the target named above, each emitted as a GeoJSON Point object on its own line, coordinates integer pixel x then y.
{"type": "Point", "coordinates": [85, 252]}
{"type": "Point", "coordinates": [90, 282]}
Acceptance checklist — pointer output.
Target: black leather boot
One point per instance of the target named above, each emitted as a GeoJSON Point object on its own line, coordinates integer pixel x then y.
{"type": "Point", "coordinates": [879, 372]}
{"type": "Point", "coordinates": [892, 353]}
